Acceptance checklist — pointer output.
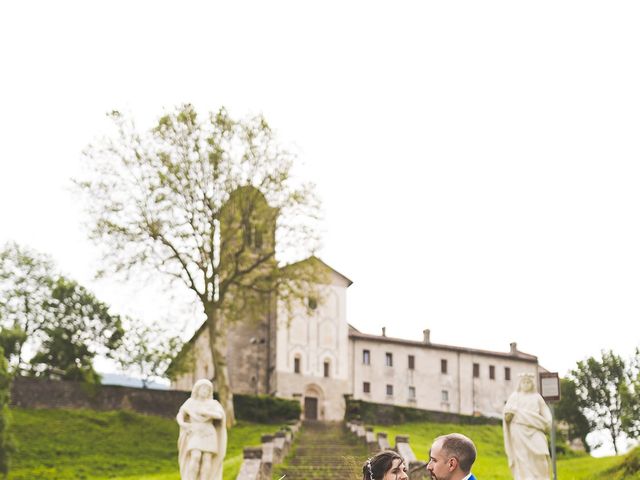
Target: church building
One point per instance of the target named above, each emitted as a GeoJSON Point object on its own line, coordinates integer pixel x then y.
{"type": "Point", "coordinates": [312, 354]}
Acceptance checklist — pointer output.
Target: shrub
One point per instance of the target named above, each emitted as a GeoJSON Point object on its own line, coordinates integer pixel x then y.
{"type": "Point", "coordinates": [6, 440]}
{"type": "Point", "coordinates": [265, 409]}
{"type": "Point", "coordinates": [376, 413]}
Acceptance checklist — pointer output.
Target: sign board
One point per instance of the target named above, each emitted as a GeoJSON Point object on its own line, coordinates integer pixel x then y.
{"type": "Point", "coordinates": [550, 386]}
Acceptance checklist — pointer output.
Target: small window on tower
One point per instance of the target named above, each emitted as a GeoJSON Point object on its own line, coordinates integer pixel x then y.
{"type": "Point", "coordinates": [476, 370]}
{"type": "Point", "coordinates": [248, 237]}
{"type": "Point", "coordinates": [326, 368]}
{"type": "Point", "coordinates": [257, 238]}
{"type": "Point", "coordinates": [507, 373]}
{"type": "Point", "coordinates": [412, 362]}
{"type": "Point", "coordinates": [296, 365]}
{"type": "Point", "coordinates": [443, 366]}
{"type": "Point", "coordinates": [492, 372]}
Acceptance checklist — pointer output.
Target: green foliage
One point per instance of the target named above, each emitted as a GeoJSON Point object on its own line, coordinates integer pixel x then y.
{"type": "Point", "coordinates": [628, 468]}
{"type": "Point", "coordinates": [265, 408]}
{"type": "Point", "coordinates": [25, 285]}
{"type": "Point", "coordinates": [631, 399]}
{"type": "Point", "coordinates": [202, 200]}
{"type": "Point", "coordinates": [6, 438]}
{"type": "Point", "coordinates": [567, 410]}
{"type": "Point", "coordinates": [599, 383]}
{"type": "Point", "coordinates": [392, 415]}
{"type": "Point", "coordinates": [85, 444]}
{"type": "Point", "coordinates": [80, 326]}
{"type": "Point", "coordinates": [11, 341]}
{"type": "Point", "coordinates": [147, 352]}
{"type": "Point", "coordinates": [61, 322]}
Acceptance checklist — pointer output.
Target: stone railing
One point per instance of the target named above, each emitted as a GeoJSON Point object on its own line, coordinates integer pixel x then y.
{"type": "Point", "coordinates": [379, 442]}
{"type": "Point", "coordinates": [258, 462]}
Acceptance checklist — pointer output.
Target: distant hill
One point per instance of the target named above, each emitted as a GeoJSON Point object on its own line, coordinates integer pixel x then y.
{"type": "Point", "coordinates": [126, 381]}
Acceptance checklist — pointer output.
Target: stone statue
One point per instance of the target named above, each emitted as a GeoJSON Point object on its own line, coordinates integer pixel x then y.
{"type": "Point", "coordinates": [527, 418]}
{"type": "Point", "coordinates": [202, 443]}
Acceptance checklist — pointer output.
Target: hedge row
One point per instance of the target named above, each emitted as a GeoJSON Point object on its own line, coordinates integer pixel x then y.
{"type": "Point", "coordinates": [377, 413]}
{"type": "Point", "coordinates": [265, 409]}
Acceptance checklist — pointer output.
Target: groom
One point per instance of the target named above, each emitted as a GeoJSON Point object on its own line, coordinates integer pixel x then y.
{"type": "Point", "coordinates": [451, 458]}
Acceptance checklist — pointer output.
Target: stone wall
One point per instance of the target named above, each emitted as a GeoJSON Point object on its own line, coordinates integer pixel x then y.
{"type": "Point", "coordinates": [41, 393]}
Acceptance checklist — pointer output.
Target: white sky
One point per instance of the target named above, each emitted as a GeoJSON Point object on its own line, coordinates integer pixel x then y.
{"type": "Point", "coordinates": [478, 162]}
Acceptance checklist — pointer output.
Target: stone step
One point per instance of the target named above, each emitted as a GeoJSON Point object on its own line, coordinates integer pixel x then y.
{"type": "Point", "coordinates": [324, 450]}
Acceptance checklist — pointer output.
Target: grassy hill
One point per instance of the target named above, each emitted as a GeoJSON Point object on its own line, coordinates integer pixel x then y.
{"type": "Point", "coordinates": [492, 462]}
{"type": "Point", "coordinates": [84, 444]}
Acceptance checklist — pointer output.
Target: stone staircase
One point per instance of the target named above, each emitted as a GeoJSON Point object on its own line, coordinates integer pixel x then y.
{"type": "Point", "coordinates": [324, 450]}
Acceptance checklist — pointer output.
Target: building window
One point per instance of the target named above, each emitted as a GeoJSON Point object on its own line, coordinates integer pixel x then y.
{"type": "Point", "coordinates": [326, 368]}
{"type": "Point", "coordinates": [248, 237]}
{"type": "Point", "coordinates": [258, 241]}
{"type": "Point", "coordinates": [366, 357]}
{"type": "Point", "coordinates": [313, 303]}
{"type": "Point", "coordinates": [445, 395]}
{"type": "Point", "coordinates": [492, 372]}
{"type": "Point", "coordinates": [389, 390]}
{"type": "Point", "coordinates": [366, 387]}
{"type": "Point", "coordinates": [443, 366]}
{"type": "Point", "coordinates": [507, 373]}
{"type": "Point", "coordinates": [412, 362]}
{"type": "Point", "coordinates": [412, 393]}
{"type": "Point", "coordinates": [296, 365]}
{"type": "Point", "coordinates": [476, 370]}
{"type": "Point", "coordinates": [388, 359]}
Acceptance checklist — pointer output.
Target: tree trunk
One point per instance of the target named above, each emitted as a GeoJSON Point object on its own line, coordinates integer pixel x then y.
{"type": "Point", "coordinates": [218, 345]}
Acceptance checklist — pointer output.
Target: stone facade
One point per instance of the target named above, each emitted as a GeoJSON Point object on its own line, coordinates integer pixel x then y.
{"type": "Point", "coordinates": [312, 354]}
{"type": "Point", "coordinates": [301, 354]}
{"type": "Point", "coordinates": [44, 393]}
{"type": "Point", "coordinates": [438, 377]}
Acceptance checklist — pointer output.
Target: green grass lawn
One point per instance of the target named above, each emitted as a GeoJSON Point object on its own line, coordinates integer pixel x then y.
{"type": "Point", "coordinates": [84, 444]}
{"type": "Point", "coordinates": [492, 462]}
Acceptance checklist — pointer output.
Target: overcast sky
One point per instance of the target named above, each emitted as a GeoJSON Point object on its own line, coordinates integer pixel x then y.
{"type": "Point", "coordinates": [478, 162]}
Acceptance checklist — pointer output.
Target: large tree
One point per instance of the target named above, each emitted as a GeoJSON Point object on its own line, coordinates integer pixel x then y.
{"type": "Point", "coordinates": [599, 386]}
{"type": "Point", "coordinates": [194, 198]}
{"type": "Point", "coordinates": [568, 410]}
{"type": "Point", "coordinates": [79, 327]}
{"type": "Point", "coordinates": [631, 399]}
{"type": "Point", "coordinates": [25, 287]}
{"type": "Point", "coordinates": [51, 325]}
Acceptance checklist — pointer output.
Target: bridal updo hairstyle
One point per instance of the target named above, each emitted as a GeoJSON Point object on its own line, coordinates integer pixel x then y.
{"type": "Point", "coordinates": [376, 467]}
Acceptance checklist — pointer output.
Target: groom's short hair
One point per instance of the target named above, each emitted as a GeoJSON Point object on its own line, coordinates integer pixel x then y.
{"type": "Point", "coordinates": [461, 447]}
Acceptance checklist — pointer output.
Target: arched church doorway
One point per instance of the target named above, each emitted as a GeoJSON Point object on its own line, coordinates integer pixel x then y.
{"type": "Point", "coordinates": [313, 402]}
